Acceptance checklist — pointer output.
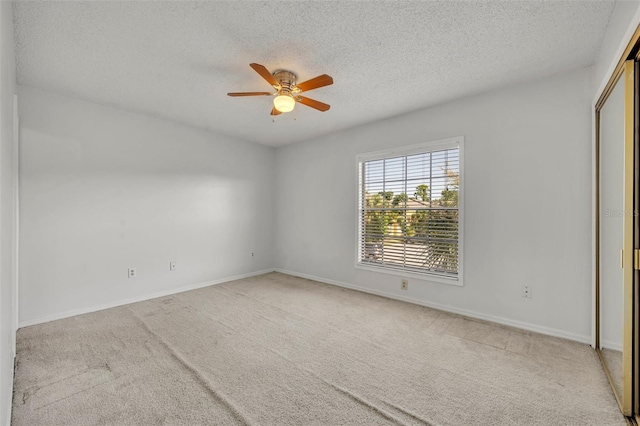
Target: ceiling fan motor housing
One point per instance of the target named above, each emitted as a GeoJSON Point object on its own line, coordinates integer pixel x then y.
{"type": "Point", "coordinates": [286, 80]}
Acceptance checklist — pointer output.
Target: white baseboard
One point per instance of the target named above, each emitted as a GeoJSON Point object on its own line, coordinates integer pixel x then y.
{"type": "Point", "coordinates": [472, 314]}
{"type": "Point", "coordinates": [606, 344]}
{"type": "Point", "coordinates": [81, 311]}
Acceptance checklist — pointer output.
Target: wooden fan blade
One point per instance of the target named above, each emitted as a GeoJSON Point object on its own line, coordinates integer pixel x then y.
{"type": "Point", "coordinates": [274, 111]}
{"type": "Point", "coordinates": [264, 73]}
{"type": "Point", "coordinates": [320, 106]}
{"type": "Point", "coordinates": [249, 94]}
{"type": "Point", "coordinates": [314, 83]}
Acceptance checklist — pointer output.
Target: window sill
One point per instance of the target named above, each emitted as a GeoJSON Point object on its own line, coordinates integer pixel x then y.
{"type": "Point", "coordinates": [457, 281]}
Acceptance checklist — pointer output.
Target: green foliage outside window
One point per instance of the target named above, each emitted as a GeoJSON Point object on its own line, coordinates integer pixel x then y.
{"type": "Point", "coordinates": [427, 224]}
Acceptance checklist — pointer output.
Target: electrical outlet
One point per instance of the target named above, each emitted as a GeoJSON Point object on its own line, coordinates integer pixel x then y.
{"type": "Point", "coordinates": [172, 266]}
{"type": "Point", "coordinates": [404, 284]}
{"type": "Point", "coordinates": [251, 254]}
{"type": "Point", "coordinates": [526, 291]}
{"type": "Point", "coordinates": [131, 272]}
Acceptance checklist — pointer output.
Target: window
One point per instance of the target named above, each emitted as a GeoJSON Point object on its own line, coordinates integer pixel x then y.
{"type": "Point", "coordinates": [410, 215]}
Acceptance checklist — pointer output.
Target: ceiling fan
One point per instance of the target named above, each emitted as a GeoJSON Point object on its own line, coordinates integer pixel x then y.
{"type": "Point", "coordinates": [287, 90]}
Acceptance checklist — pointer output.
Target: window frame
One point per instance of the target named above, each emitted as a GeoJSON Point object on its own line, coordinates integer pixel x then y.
{"type": "Point", "coordinates": [403, 151]}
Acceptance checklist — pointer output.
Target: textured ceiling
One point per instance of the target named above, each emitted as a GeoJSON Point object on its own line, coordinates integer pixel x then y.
{"type": "Point", "coordinates": [177, 60]}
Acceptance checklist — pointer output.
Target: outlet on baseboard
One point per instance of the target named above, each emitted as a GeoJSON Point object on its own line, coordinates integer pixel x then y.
{"type": "Point", "coordinates": [131, 272]}
{"type": "Point", "coordinates": [404, 284]}
{"type": "Point", "coordinates": [526, 291]}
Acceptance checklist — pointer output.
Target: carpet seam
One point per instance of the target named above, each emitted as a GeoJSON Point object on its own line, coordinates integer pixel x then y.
{"type": "Point", "coordinates": [347, 392]}
{"type": "Point", "coordinates": [384, 347]}
{"type": "Point", "coordinates": [408, 413]}
{"type": "Point", "coordinates": [200, 378]}
{"type": "Point", "coordinates": [74, 394]}
{"type": "Point", "coordinates": [351, 395]}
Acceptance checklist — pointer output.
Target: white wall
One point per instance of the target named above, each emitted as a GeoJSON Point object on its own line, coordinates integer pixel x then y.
{"type": "Point", "coordinates": [102, 190]}
{"type": "Point", "coordinates": [7, 312]}
{"type": "Point", "coordinates": [527, 204]}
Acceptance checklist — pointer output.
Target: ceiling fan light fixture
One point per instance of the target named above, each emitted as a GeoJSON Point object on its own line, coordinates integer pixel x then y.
{"type": "Point", "coordinates": [287, 90]}
{"type": "Point", "coordinates": [284, 103]}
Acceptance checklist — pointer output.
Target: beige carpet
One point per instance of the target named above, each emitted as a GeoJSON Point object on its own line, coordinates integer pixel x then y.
{"type": "Point", "coordinates": [279, 350]}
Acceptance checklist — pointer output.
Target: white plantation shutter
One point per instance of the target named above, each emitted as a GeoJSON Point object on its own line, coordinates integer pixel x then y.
{"type": "Point", "coordinates": [409, 209]}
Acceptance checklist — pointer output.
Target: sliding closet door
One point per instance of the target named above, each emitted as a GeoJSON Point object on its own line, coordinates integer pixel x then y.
{"type": "Point", "coordinates": [615, 247]}
{"type": "Point", "coordinates": [636, 245]}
